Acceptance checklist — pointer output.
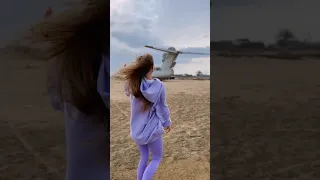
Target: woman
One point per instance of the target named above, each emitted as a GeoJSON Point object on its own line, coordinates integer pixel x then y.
{"type": "Point", "coordinates": [78, 83]}
{"type": "Point", "coordinates": [150, 114]}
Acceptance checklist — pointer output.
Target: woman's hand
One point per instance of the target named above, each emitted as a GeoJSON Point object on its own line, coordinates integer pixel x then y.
{"type": "Point", "coordinates": [167, 129]}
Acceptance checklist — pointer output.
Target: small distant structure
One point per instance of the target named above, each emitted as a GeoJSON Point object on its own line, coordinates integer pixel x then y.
{"type": "Point", "coordinates": [242, 41]}
{"type": "Point", "coordinates": [223, 45]}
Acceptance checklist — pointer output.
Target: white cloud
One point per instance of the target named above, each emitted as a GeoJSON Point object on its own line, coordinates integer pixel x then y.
{"type": "Point", "coordinates": [161, 20]}
{"type": "Point", "coordinates": [131, 15]}
{"type": "Point", "coordinates": [120, 48]}
{"type": "Point", "coordinates": [135, 23]}
{"type": "Point", "coordinates": [193, 36]}
{"type": "Point", "coordinates": [195, 64]}
{"type": "Point", "coordinates": [183, 23]}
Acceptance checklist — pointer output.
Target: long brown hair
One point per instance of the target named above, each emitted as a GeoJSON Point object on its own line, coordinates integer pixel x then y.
{"type": "Point", "coordinates": [134, 73]}
{"type": "Point", "coordinates": [77, 40]}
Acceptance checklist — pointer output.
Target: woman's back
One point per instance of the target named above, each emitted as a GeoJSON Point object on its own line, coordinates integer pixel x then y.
{"type": "Point", "coordinates": [137, 106]}
{"type": "Point", "coordinates": [146, 126]}
{"type": "Point", "coordinates": [149, 112]}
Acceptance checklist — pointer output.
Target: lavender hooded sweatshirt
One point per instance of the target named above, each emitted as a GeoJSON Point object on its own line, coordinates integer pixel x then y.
{"type": "Point", "coordinates": [87, 142]}
{"type": "Point", "coordinates": [147, 126]}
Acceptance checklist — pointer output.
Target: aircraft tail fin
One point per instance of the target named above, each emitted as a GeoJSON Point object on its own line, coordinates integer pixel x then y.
{"type": "Point", "coordinates": [168, 61]}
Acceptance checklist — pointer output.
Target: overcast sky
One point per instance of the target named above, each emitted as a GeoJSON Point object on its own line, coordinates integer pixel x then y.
{"type": "Point", "coordinates": [261, 19]}
{"type": "Point", "coordinates": [183, 24]}
{"type": "Point", "coordinates": [178, 23]}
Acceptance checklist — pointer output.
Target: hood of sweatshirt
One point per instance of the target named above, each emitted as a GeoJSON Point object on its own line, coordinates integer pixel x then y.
{"type": "Point", "coordinates": [150, 90]}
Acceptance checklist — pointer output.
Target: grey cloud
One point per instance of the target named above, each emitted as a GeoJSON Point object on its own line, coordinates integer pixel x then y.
{"type": "Point", "coordinates": [133, 30]}
{"type": "Point", "coordinates": [137, 31]}
{"type": "Point", "coordinates": [136, 39]}
{"type": "Point", "coordinates": [143, 24]}
{"type": "Point", "coordinates": [196, 49]}
{"type": "Point", "coordinates": [178, 13]}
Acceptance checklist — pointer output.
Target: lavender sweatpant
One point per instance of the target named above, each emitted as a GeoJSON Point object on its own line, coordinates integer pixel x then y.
{"type": "Point", "coordinates": [147, 172]}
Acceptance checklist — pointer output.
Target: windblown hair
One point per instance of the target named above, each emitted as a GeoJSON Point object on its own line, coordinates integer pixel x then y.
{"type": "Point", "coordinates": [77, 40]}
{"type": "Point", "coordinates": [133, 75]}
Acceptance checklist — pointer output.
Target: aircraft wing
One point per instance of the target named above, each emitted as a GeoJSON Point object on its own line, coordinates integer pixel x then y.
{"type": "Point", "coordinates": [161, 49]}
{"type": "Point", "coordinates": [182, 52]}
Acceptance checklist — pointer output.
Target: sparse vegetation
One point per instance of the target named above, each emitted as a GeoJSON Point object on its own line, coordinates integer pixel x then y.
{"type": "Point", "coordinates": [199, 73]}
{"type": "Point", "coordinates": [284, 37]}
{"type": "Point", "coordinates": [286, 46]}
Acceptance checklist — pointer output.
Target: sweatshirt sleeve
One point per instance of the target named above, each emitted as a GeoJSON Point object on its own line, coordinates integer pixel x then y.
{"type": "Point", "coordinates": [164, 108]}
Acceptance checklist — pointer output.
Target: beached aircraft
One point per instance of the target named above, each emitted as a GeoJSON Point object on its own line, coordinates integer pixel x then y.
{"type": "Point", "coordinates": [165, 71]}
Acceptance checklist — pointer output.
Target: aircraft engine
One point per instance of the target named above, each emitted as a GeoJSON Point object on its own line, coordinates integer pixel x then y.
{"type": "Point", "coordinates": [172, 49]}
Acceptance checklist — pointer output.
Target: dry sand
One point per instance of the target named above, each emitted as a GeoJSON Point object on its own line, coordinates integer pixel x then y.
{"type": "Point", "coordinates": [265, 119]}
{"type": "Point", "coordinates": [186, 147]}
{"type": "Point", "coordinates": [265, 114]}
{"type": "Point", "coordinates": [32, 134]}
